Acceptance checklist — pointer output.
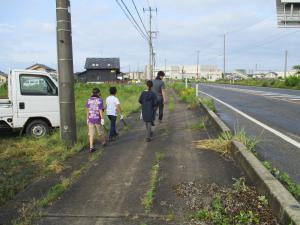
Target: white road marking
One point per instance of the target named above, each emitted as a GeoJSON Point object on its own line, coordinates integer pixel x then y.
{"type": "Point", "coordinates": [285, 97]}
{"type": "Point", "coordinates": [277, 133]}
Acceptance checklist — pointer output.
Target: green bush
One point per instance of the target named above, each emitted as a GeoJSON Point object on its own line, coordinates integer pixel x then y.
{"type": "Point", "coordinates": [292, 81]}
{"type": "Point", "coordinates": [3, 90]}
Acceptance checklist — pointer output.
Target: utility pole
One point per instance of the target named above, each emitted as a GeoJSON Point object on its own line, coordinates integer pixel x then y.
{"type": "Point", "coordinates": [165, 65]}
{"type": "Point", "coordinates": [198, 64]}
{"type": "Point", "coordinates": [285, 64]}
{"type": "Point", "coordinates": [224, 56]}
{"type": "Point", "coordinates": [150, 69]}
{"type": "Point", "coordinates": [65, 71]}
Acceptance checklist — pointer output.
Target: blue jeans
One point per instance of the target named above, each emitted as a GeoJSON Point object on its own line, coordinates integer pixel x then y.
{"type": "Point", "coordinates": [113, 129]}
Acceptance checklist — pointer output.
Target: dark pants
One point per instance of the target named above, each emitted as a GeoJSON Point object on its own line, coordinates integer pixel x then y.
{"type": "Point", "coordinates": [148, 129]}
{"type": "Point", "coordinates": [113, 129]}
{"type": "Point", "coordinates": [160, 107]}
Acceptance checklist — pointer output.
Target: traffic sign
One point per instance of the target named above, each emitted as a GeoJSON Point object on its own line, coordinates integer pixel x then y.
{"type": "Point", "coordinates": [288, 13]}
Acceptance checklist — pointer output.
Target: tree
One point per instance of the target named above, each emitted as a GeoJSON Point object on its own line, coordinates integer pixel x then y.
{"type": "Point", "coordinates": [297, 67]}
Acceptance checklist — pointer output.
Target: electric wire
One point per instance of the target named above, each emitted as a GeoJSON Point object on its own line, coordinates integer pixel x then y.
{"type": "Point", "coordinates": [139, 30]}
{"type": "Point", "coordinates": [134, 20]}
{"type": "Point", "coordinates": [140, 17]}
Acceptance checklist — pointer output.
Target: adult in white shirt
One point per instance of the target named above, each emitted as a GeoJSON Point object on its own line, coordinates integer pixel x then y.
{"type": "Point", "coordinates": [113, 107]}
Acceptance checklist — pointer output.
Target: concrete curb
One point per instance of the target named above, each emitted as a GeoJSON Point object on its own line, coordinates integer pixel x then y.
{"type": "Point", "coordinates": [283, 204]}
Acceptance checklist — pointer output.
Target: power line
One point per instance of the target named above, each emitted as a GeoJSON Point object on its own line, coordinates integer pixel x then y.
{"type": "Point", "coordinates": [134, 19]}
{"type": "Point", "coordinates": [139, 16]}
{"type": "Point", "coordinates": [132, 22]}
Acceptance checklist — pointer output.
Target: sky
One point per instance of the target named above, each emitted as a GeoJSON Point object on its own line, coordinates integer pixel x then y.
{"type": "Point", "coordinates": [100, 29]}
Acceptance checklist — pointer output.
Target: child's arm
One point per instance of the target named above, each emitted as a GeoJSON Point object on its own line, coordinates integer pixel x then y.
{"type": "Point", "coordinates": [87, 115]}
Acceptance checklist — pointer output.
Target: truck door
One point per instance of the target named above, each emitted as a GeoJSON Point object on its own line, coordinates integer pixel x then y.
{"type": "Point", "coordinates": [37, 97]}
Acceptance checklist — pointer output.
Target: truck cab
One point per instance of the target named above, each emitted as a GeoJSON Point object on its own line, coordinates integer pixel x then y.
{"type": "Point", "coordinates": [32, 105]}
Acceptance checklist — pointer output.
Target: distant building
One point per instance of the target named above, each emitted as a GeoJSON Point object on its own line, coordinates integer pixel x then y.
{"type": "Point", "coordinates": [41, 67]}
{"type": "Point", "coordinates": [240, 74]}
{"type": "Point", "coordinates": [207, 72]}
{"type": "Point", "coordinates": [135, 76]}
{"type": "Point", "coordinates": [100, 70]}
{"type": "Point", "coordinates": [3, 77]}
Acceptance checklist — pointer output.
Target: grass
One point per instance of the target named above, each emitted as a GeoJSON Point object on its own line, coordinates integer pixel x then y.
{"type": "Point", "coordinates": [31, 211]}
{"type": "Point", "coordinates": [187, 95]}
{"type": "Point", "coordinates": [285, 179]}
{"type": "Point", "coordinates": [171, 104]}
{"type": "Point", "coordinates": [148, 199]}
{"type": "Point", "coordinates": [3, 90]}
{"type": "Point", "coordinates": [292, 82]}
{"type": "Point", "coordinates": [199, 126]}
{"type": "Point", "coordinates": [22, 159]}
{"type": "Point", "coordinates": [222, 144]}
{"type": "Point", "coordinates": [208, 102]}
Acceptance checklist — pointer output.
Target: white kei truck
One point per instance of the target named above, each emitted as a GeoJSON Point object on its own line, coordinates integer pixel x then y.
{"type": "Point", "coordinates": [32, 106]}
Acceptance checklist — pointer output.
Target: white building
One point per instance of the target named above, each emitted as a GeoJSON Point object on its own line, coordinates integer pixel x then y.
{"type": "Point", "coordinates": [208, 72]}
{"type": "Point", "coordinates": [135, 76]}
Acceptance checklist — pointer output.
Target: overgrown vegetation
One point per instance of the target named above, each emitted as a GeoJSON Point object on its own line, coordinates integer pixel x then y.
{"type": "Point", "coordinates": [187, 95]}
{"type": "Point", "coordinates": [3, 90]}
{"type": "Point", "coordinates": [213, 204]}
{"type": "Point", "coordinates": [171, 104]}
{"type": "Point", "coordinates": [23, 159]}
{"type": "Point", "coordinates": [31, 210]}
{"type": "Point", "coordinates": [285, 179]}
{"type": "Point", "coordinates": [198, 126]}
{"type": "Point", "coordinates": [148, 199]}
{"type": "Point", "coordinates": [291, 82]}
{"type": "Point", "coordinates": [222, 144]}
{"type": "Point", "coordinates": [208, 102]}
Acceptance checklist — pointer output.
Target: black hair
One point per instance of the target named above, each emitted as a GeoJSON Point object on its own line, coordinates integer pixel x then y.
{"type": "Point", "coordinates": [149, 84]}
{"type": "Point", "coordinates": [160, 74]}
{"type": "Point", "coordinates": [96, 92]}
{"type": "Point", "coordinates": [113, 90]}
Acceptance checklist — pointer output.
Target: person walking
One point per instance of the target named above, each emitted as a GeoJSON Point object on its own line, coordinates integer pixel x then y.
{"type": "Point", "coordinates": [113, 107]}
{"type": "Point", "coordinates": [95, 118]}
{"type": "Point", "coordinates": [148, 100]}
{"type": "Point", "coordinates": [159, 89]}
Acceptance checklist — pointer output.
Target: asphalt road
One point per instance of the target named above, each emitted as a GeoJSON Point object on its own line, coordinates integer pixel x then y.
{"type": "Point", "coordinates": [279, 112]}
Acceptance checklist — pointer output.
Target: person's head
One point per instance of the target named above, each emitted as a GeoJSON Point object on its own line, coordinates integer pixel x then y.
{"type": "Point", "coordinates": [160, 75]}
{"type": "Point", "coordinates": [113, 90]}
{"type": "Point", "coordinates": [149, 84]}
{"type": "Point", "coordinates": [95, 92]}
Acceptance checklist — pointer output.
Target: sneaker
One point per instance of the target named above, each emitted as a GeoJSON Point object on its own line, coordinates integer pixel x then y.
{"type": "Point", "coordinates": [92, 150]}
{"type": "Point", "coordinates": [148, 139]}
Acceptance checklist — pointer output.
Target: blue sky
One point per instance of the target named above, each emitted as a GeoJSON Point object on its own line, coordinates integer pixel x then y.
{"type": "Point", "coordinates": [100, 29]}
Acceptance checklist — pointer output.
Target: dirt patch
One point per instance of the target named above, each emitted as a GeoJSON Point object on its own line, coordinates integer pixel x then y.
{"type": "Point", "coordinates": [214, 204]}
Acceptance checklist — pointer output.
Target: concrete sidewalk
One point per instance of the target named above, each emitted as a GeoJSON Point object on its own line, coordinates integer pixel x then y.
{"type": "Point", "coordinates": [111, 191]}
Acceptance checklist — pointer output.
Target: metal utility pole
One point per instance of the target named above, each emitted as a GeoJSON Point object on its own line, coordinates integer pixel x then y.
{"type": "Point", "coordinates": [65, 71]}
{"type": "Point", "coordinates": [224, 56]}
{"type": "Point", "coordinates": [150, 69]}
{"type": "Point", "coordinates": [198, 64]}
{"type": "Point", "coordinates": [285, 64]}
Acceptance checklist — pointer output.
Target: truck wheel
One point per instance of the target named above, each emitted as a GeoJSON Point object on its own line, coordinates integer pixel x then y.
{"type": "Point", "coordinates": [37, 129]}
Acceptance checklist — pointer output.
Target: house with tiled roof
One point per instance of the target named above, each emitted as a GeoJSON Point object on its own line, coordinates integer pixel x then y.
{"type": "Point", "coordinates": [41, 67]}
{"type": "Point", "coordinates": [100, 70]}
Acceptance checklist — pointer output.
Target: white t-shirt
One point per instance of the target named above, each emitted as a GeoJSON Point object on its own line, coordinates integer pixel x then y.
{"type": "Point", "coordinates": [111, 103]}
